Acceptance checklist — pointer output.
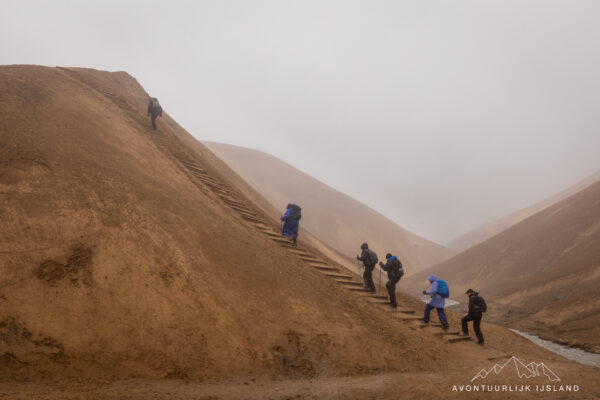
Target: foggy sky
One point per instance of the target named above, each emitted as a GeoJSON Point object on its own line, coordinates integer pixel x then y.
{"type": "Point", "coordinates": [442, 115]}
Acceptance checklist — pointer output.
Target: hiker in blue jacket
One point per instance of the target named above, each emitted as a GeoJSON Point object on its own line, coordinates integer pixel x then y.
{"type": "Point", "coordinates": [437, 302]}
{"type": "Point", "coordinates": [291, 222]}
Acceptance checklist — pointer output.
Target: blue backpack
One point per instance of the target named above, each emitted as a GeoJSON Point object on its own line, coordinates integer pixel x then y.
{"type": "Point", "coordinates": [442, 289]}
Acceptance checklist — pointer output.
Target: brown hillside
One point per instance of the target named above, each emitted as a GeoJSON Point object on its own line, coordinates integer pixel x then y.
{"type": "Point", "coordinates": [328, 214]}
{"type": "Point", "coordinates": [492, 228]}
{"type": "Point", "coordinates": [542, 274]}
{"type": "Point", "coordinates": [136, 255]}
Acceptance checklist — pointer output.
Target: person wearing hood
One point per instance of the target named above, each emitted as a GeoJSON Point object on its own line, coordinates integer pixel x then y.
{"type": "Point", "coordinates": [437, 302]}
{"type": "Point", "coordinates": [477, 307]}
{"type": "Point", "coordinates": [369, 259]}
{"type": "Point", "coordinates": [393, 267]}
{"type": "Point", "coordinates": [291, 222]}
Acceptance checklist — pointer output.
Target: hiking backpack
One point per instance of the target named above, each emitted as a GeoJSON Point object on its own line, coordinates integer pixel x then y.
{"type": "Point", "coordinates": [372, 256]}
{"type": "Point", "coordinates": [400, 270]}
{"type": "Point", "coordinates": [481, 304]}
{"type": "Point", "coordinates": [296, 212]}
{"type": "Point", "coordinates": [155, 106]}
{"type": "Point", "coordinates": [443, 289]}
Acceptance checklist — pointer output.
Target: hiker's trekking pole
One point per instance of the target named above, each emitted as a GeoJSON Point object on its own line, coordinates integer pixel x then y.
{"type": "Point", "coordinates": [358, 265]}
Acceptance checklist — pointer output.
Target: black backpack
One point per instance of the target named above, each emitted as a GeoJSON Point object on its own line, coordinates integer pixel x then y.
{"type": "Point", "coordinates": [296, 212]}
{"type": "Point", "coordinates": [155, 105]}
{"type": "Point", "coordinates": [480, 303]}
{"type": "Point", "coordinates": [372, 256]}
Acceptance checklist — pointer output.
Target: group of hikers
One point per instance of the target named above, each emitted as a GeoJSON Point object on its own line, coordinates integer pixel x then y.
{"type": "Point", "coordinates": [439, 288]}
{"type": "Point", "coordinates": [439, 291]}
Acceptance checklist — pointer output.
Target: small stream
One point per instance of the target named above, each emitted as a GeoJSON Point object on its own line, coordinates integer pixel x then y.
{"type": "Point", "coordinates": [580, 356]}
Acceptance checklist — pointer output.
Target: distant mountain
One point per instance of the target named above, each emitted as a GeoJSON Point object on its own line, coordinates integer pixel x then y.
{"type": "Point", "coordinates": [492, 228]}
{"type": "Point", "coordinates": [333, 217]}
{"type": "Point", "coordinates": [541, 275]}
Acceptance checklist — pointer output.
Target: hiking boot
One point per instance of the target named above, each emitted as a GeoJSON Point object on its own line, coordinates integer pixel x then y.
{"type": "Point", "coordinates": [393, 306]}
{"type": "Point", "coordinates": [463, 334]}
{"type": "Point", "coordinates": [424, 322]}
{"type": "Point", "coordinates": [445, 328]}
{"type": "Point", "coordinates": [480, 343]}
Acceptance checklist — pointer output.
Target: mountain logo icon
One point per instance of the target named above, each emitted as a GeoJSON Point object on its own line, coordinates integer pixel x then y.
{"type": "Point", "coordinates": [523, 370]}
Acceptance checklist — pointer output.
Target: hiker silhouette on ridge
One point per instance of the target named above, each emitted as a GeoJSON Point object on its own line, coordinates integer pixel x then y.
{"type": "Point", "coordinates": [154, 110]}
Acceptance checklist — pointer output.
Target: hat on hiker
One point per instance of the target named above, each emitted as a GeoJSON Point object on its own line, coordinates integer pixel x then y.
{"type": "Point", "coordinates": [469, 291]}
{"type": "Point", "coordinates": [388, 255]}
{"type": "Point", "coordinates": [364, 246]}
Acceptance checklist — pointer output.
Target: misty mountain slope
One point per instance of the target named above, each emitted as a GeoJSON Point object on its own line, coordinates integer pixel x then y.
{"type": "Point", "coordinates": [542, 274]}
{"type": "Point", "coordinates": [492, 228]}
{"type": "Point", "coordinates": [328, 214]}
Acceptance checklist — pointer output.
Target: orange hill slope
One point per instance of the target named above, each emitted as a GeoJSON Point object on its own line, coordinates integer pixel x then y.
{"type": "Point", "coordinates": [490, 229]}
{"type": "Point", "coordinates": [542, 274]}
{"type": "Point", "coordinates": [330, 215]}
{"type": "Point", "coordinates": [126, 252]}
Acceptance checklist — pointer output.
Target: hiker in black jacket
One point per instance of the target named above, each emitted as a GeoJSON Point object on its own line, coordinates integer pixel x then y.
{"type": "Point", "coordinates": [369, 259]}
{"type": "Point", "coordinates": [393, 266]}
{"type": "Point", "coordinates": [477, 307]}
{"type": "Point", "coordinates": [154, 110]}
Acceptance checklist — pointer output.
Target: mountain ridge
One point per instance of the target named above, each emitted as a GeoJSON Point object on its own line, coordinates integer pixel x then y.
{"type": "Point", "coordinates": [492, 228]}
